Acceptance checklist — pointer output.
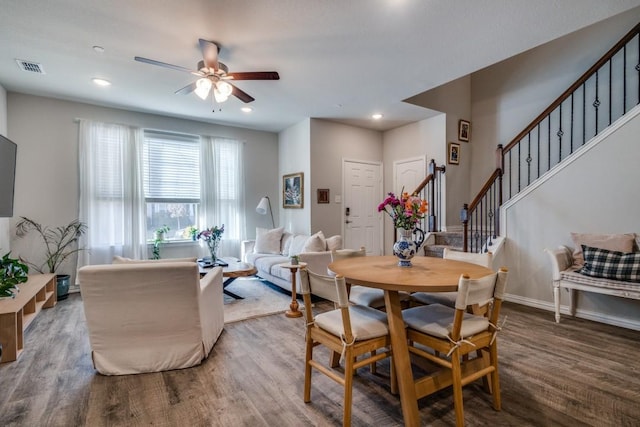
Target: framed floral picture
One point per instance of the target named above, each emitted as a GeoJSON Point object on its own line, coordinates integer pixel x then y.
{"type": "Point", "coordinates": [293, 191]}
{"type": "Point", "coordinates": [454, 153]}
{"type": "Point", "coordinates": [464, 130]}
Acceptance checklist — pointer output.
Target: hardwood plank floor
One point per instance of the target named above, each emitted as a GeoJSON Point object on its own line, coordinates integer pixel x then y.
{"type": "Point", "coordinates": [577, 373]}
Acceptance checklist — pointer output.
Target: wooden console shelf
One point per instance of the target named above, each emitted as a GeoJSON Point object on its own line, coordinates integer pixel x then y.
{"type": "Point", "coordinates": [17, 313]}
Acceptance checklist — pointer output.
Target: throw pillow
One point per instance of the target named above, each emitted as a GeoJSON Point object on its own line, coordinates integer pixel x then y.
{"type": "Point", "coordinates": [334, 242]}
{"type": "Point", "coordinates": [268, 241]}
{"type": "Point", "coordinates": [611, 242]}
{"type": "Point", "coordinates": [297, 244]}
{"type": "Point", "coordinates": [315, 243]}
{"type": "Point", "coordinates": [612, 265]}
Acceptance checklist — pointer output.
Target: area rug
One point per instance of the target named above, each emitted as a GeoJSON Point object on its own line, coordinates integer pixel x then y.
{"type": "Point", "coordinates": [260, 299]}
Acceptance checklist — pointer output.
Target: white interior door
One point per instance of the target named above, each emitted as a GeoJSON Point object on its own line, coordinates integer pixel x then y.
{"type": "Point", "coordinates": [362, 224]}
{"type": "Point", "coordinates": [408, 174]}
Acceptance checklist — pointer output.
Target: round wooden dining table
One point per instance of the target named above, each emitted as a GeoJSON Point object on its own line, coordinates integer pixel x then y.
{"type": "Point", "coordinates": [427, 274]}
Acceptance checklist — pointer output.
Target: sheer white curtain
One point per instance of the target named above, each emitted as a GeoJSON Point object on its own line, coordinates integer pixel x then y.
{"type": "Point", "coordinates": [221, 191]}
{"type": "Point", "coordinates": [111, 192]}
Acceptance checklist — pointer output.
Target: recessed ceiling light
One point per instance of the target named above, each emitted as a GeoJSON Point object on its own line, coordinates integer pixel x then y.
{"type": "Point", "coordinates": [101, 82]}
{"type": "Point", "coordinates": [98, 49]}
{"type": "Point", "coordinates": [376, 116]}
{"type": "Point", "coordinates": [247, 109]}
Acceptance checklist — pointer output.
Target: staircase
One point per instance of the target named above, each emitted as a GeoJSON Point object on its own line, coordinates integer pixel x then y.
{"type": "Point", "coordinates": [442, 239]}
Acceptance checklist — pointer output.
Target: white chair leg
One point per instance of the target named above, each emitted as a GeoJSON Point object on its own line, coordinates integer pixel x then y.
{"type": "Point", "coordinates": [556, 301]}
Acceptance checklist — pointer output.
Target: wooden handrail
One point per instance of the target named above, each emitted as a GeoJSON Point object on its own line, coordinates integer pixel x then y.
{"type": "Point", "coordinates": [607, 56]}
{"type": "Point", "coordinates": [422, 185]}
{"type": "Point", "coordinates": [495, 175]}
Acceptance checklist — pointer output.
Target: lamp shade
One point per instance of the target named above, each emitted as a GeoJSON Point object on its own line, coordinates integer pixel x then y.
{"type": "Point", "coordinates": [263, 206]}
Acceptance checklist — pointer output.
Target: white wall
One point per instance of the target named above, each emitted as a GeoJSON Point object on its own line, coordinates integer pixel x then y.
{"type": "Point", "coordinates": [576, 198]}
{"type": "Point", "coordinates": [507, 96]}
{"type": "Point", "coordinates": [47, 171]}
{"type": "Point", "coordinates": [331, 143]}
{"type": "Point", "coordinates": [5, 243]}
{"type": "Point", "coordinates": [424, 138]}
{"type": "Point", "coordinates": [294, 156]}
{"type": "Point", "coordinates": [453, 99]}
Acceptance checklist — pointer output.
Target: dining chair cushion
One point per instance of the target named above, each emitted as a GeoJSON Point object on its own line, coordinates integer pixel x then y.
{"type": "Point", "coordinates": [371, 297]}
{"type": "Point", "coordinates": [444, 298]}
{"type": "Point", "coordinates": [366, 323]}
{"type": "Point", "coordinates": [437, 320]}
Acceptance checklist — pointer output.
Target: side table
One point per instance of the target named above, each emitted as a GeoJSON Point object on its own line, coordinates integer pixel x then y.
{"type": "Point", "coordinates": [293, 312]}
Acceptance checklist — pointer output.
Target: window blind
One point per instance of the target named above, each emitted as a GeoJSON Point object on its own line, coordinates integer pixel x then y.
{"type": "Point", "coordinates": [171, 167]}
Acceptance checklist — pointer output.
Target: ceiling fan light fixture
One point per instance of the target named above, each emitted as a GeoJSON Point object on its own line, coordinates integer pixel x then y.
{"type": "Point", "coordinates": [203, 86]}
{"type": "Point", "coordinates": [222, 91]}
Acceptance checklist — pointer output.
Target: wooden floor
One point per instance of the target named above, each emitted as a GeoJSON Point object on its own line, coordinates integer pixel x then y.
{"type": "Point", "coordinates": [572, 374]}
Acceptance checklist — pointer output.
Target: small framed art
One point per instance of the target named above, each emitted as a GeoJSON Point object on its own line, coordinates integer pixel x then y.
{"type": "Point", "coordinates": [454, 153]}
{"type": "Point", "coordinates": [464, 130]}
{"type": "Point", "coordinates": [323, 195]}
{"type": "Point", "coordinates": [293, 190]}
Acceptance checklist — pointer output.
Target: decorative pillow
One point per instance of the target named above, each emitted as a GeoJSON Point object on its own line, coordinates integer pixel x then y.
{"type": "Point", "coordinates": [315, 243]}
{"type": "Point", "coordinates": [268, 241]}
{"type": "Point", "coordinates": [611, 242]}
{"type": "Point", "coordinates": [334, 242]}
{"type": "Point", "coordinates": [612, 265]}
{"type": "Point", "coordinates": [297, 244]}
{"type": "Point", "coordinates": [287, 238]}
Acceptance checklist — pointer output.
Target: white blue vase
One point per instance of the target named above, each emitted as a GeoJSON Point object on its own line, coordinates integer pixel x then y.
{"type": "Point", "coordinates": [406, 248]}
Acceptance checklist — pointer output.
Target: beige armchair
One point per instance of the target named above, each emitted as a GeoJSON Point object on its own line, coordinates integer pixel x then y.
{"type": "Point", "coordinates": [150, 317]}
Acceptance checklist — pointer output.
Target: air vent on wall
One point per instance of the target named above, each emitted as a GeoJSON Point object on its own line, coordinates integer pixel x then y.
{"type": "Point", "coordinates": [30, 66]}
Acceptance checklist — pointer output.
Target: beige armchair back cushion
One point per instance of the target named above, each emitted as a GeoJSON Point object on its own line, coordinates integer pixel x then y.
{"type": "Point", "coordinates": [150, 317]}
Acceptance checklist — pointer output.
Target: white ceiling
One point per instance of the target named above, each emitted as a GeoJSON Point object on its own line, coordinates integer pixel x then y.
{"type": "Point", "coordinates": [338, 59]}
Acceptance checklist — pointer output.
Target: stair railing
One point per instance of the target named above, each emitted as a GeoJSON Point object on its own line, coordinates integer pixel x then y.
{"type": "Point", "coordinates": [603, 94]}
{"type": "Point", "coordinates": [430, 189]}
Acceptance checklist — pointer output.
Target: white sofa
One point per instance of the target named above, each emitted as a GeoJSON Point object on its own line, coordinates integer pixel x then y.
{"type": "Point", "coordinates": [150, 316]}
{"type": "Point", "coordinates": [274, 247]}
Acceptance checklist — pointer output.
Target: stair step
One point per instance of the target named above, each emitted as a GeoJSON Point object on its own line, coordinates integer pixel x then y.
{"type": "Point", "coordinates": [448, 239]}
{"type": "Point", "coordinates": [438, 250]}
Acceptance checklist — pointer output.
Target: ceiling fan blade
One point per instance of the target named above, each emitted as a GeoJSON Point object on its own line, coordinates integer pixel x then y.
{"type": "Point", "coordinates": [242, 95]}
{"type": "Point", "coordinates": [187, 89]}
{"type": "Point", "coordinates": [165, 65]}
{"type": "Point", "coordinates": [210, 52]}
{"type": "Point", "coordinates": [255, 75]}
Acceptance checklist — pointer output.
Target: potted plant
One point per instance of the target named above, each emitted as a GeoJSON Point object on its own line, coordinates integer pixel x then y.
{"type": "Point", "coordinates": [295, 259]}
{"type": "Point", "coordinates": [59, 244]}
{"type": "Point", "coordinates": [191, 232]}
{"type": "Point", "coordinates": [159, 234]}
{"type": "Point", "coordinates": [158, 238]}
{"type": "Point", "coordinates": [12, 273]}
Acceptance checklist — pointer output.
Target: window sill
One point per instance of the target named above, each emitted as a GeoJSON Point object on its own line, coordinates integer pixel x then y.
{"type": "Point", "coordinates": [175, 242]}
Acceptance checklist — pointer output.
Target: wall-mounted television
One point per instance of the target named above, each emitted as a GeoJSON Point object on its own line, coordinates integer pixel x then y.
{"type": "Point", "coordinates": [8, 150]}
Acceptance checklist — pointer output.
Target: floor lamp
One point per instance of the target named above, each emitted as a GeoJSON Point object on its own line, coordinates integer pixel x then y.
{"type": "Point", "coordinates": [262, 209]}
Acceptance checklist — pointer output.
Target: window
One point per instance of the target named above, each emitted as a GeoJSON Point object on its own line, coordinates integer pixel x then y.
{"type": "Point", "coordinates": [171, 181]}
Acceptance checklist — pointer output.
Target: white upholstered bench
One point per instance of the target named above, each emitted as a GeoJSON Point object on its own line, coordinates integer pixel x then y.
{"type": "Point", "coordinates": [566, 276]}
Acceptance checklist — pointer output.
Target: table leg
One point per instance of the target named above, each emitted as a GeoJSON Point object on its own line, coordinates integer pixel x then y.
{"type": "Point", "coordinates": [227, 283]}
{"type": "Point", "coordinates": [401, 359]}
{"type": "Point", "coordinates": [293, 312]}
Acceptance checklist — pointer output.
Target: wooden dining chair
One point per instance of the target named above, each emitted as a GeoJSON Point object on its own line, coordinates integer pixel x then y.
{"type": "Point", "coordinates": [362, 295]}
{"type": "Point", "coordinates": [449, 298]}
{"type": "Point", "coordinates": [454, 334]}
{"type": "Point", "coordinates": [353, 331]}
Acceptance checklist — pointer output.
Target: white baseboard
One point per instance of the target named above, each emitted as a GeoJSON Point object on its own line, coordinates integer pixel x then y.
{"type": "Point", "coordinates": [583, 314]}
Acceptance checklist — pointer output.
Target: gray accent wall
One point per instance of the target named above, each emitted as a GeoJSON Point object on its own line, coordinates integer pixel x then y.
{"type": "Point", "coordinates": [5, 243]}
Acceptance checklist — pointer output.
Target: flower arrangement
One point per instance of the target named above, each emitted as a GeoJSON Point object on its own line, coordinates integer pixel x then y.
{"type": "Point", "coordinates": [405, 211]}
{"type": "Point", "coordinates": [212, 236]}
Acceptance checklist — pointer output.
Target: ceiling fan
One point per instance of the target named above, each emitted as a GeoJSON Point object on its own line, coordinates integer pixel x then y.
{"type": "Point", "coordinates": [214, 75]}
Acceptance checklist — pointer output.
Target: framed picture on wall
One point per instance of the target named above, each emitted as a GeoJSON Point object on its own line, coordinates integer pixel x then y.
{"type": "Point", "coordinates": [293, 191]}
{"type": "Point", "coordinates": [464, 130]}
{"type": "Point", "coordinates": [454, 153]}
{"type": "Point", "coordinates": [323, 195]}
